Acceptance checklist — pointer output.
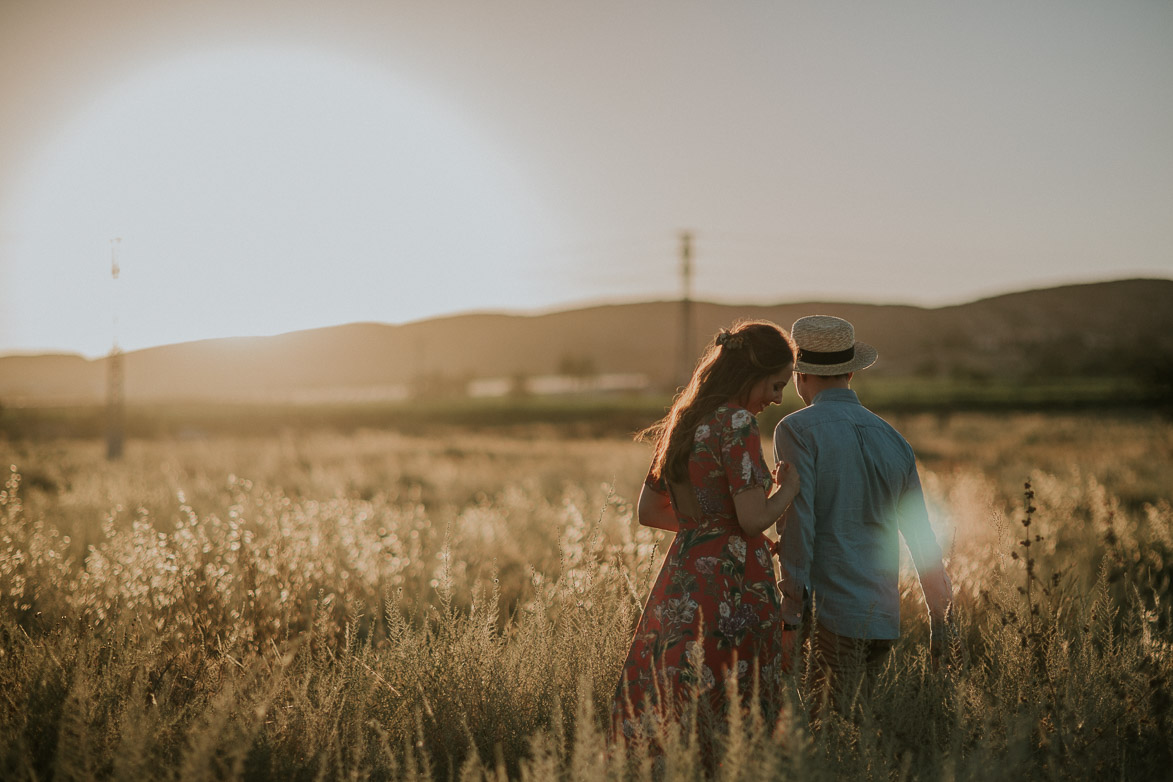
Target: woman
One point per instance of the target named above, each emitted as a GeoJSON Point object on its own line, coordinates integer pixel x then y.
{"type": "Point", "coordinates": [714, 610]}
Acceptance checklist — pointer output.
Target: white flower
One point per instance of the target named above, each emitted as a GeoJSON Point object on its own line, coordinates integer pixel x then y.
{"type": "Point", "coordinates": [707, 565]}
{"type": "Point", "coordinates": [737, 546]}
{"type": "Point", "coordinates": [702, 433]}
{"type": "Point", "coordinates": [740, 418]}
{"type": "Point", "coordinates": [763, 557]}
{"type": "Point", "coordinates": [746, 467]}
{"type": "Point", "coordinates": [724, 609]}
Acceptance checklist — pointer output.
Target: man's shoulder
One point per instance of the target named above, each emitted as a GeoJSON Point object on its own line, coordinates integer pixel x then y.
{"type": "Point", "coordinates": [813, 417]}
{"type": "Point", "coordinates": [801, 418]}
{"type": "Point", "coordinates": [868, 416]}
{"type": "Point", "coordinates": [895, 444]}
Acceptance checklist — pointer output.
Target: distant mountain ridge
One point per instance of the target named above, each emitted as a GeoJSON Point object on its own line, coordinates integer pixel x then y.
{"type": "Point", "coordinates": [1072, 330]}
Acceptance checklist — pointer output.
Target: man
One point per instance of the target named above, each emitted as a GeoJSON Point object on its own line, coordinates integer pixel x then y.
{"type": "Point", "coordinates": [839, 542]}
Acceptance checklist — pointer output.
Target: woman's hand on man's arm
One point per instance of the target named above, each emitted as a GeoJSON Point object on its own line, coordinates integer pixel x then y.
{"type": "Point", "coordinates": [757, 512]}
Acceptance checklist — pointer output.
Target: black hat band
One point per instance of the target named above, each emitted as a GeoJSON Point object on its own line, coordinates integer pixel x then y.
{"type": "Point", "coordinates": [826, 359]}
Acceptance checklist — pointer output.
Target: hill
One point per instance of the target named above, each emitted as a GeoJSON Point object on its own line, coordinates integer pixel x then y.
{"type": "Point", "coordinates": [1097, 329]}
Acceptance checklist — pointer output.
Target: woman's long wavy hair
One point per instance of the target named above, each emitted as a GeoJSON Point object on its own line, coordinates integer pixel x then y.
{"type": "Point", "coordinates": [733, 362]}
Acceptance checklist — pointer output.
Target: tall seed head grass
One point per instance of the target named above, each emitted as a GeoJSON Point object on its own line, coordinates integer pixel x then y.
{"type": "Point", "coordinates": [378, 608]}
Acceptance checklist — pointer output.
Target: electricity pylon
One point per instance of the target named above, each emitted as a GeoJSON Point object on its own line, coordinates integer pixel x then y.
{"type": "Point", "coordinates": [686, 346]}
{"type": "Point", "coordinates": [115, 405]}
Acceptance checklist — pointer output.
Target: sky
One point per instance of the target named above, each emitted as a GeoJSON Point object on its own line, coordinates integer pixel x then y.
{"type": "Point", "coordinates": [263, 167]}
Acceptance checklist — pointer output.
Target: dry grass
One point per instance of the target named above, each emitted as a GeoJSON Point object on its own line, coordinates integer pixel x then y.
{"type": "Point", "coordinates": [385, 607]}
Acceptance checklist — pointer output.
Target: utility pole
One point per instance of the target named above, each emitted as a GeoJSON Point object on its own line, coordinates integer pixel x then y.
{"type": "Point", "coordinates": [686, 348]}
{"type": "Point", "coordinates": [115, 406]}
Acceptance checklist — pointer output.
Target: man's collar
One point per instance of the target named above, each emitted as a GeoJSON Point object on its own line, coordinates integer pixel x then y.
{"type": "Point", "coordinates": [836, 395]}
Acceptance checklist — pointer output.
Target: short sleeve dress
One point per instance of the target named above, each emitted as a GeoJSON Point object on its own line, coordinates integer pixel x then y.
{"type": "Point", "coordinates": [714, 609]}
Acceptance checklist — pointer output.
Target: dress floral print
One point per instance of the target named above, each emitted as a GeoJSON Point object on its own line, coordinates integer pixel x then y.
{"type": "Point", "coordinates": [714, 609]}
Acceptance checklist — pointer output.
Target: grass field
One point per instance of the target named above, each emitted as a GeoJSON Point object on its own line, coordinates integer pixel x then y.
{"type": "Point", "coordinates": [594, 415]}
{"type": "Point", "coordinates": [455, 603]}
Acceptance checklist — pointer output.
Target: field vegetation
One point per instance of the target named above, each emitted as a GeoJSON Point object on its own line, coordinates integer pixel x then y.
{"type": "Point", "coordinates": [455, 603]}
{"type": "Point", "coordinates": [578, 414]}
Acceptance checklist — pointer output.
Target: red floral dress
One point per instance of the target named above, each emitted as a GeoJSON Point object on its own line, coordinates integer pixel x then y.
{"type": "Point", "coordinates": [715, 600]}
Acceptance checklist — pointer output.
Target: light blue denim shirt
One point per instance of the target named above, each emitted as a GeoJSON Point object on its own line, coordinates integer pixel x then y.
{"type": "Point", "coordinates": [859, 492]}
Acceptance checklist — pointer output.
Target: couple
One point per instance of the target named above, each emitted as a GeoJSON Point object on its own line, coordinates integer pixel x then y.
{"type": "Point", "coordinates": [844, 488]}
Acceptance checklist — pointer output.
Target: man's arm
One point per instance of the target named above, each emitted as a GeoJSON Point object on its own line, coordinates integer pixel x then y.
{"type": "Point", "coordinates": [796, 529]}
{"type": "Point", "coordinates": [913, 520]}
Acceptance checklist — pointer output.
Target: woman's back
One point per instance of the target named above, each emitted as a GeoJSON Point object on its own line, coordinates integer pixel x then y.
{"type": "Point", "coordinates": [726, 458]}
{"type": "Point", "coordinates": [715, 593]}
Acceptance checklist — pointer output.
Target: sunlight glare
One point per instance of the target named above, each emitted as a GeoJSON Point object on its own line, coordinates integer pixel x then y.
{"type": "Point", "coordinates": [260, 191]}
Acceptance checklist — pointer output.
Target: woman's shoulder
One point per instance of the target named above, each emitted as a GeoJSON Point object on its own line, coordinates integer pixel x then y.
{"type": "Point", "coordinates": [731, 416]}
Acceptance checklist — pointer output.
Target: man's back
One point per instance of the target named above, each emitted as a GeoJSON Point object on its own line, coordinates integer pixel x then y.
{"type": "Point", "coordinates": [860, 488]}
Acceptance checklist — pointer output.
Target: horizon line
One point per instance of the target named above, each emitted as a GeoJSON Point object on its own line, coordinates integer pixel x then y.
{"type": "Point", "coordinates": [573, 306]}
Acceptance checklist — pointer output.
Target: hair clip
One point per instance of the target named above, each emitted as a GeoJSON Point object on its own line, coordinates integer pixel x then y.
{"type": "Point", "coordinates": [728, 339]}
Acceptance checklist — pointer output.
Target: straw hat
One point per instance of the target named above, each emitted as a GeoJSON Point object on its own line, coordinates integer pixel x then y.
{"type": "Point", "coordinates": [827, 346]}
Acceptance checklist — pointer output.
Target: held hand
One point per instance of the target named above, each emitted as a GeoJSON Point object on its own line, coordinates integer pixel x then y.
{"type": "Point", "coordinates": [786, 477]}
{"type": "Point", "coordinates": [791, 605]}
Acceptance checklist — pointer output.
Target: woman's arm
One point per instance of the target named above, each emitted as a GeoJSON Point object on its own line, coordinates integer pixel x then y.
{"type": "Point", "coordinates": [655, 510]}
{"type": "Point", "coordinates": [756, 511]}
